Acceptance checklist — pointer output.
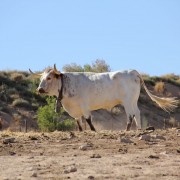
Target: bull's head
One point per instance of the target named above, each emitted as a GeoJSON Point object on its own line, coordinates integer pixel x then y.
{"type": "Point", "coordinates": [50, 83]}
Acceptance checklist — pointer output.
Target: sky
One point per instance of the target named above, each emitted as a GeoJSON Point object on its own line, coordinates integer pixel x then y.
{"type": "Point", "coordinates": [127, 34]}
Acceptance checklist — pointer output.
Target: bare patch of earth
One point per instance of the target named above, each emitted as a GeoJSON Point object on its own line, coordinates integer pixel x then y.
{"type": "Point", "coordinates": [91, 155]}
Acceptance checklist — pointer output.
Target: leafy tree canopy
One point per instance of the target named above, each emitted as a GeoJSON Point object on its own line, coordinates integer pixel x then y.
{"type": "Point", "coordinates": [98, 66]}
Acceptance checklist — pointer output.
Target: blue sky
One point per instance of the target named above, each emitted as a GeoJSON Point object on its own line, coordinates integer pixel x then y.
{"type": "Point", "coordinates": [127, 34]}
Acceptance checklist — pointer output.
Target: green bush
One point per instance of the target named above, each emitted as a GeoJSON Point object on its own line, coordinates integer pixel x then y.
{"type": "Point", "coordinates": [65, 125]}
{"type": "Point", "coordinates": [48, 120]}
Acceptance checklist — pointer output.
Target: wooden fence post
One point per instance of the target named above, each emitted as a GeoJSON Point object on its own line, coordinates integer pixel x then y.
{"type": "Point", "coordinates": [26, 125]}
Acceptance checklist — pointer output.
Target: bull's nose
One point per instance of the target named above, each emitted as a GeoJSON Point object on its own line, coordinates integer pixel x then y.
{"type": "Point", "coordinates": [40, 90]}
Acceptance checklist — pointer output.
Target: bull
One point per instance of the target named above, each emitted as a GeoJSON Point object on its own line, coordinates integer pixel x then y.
{"type": "Point", "coordinates": [80, 93]}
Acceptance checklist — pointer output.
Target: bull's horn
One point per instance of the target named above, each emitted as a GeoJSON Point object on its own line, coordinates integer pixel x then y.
{"type": "Point", "coordinates": [35, 74]}
{"type": "Point", "coordinates": [56, 71]}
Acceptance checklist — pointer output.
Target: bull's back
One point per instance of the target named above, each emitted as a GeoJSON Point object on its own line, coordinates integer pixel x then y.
{"type": "Point", "coordinates": [109, 89]}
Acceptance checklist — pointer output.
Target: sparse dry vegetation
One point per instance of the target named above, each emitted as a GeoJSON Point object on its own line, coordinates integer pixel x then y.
{"type": "Point", "coordinates": [159, 87]}
{"type": "Point", "coordinates": [21, 103]}
{"type": "Point", "coordinates": [17, 76]}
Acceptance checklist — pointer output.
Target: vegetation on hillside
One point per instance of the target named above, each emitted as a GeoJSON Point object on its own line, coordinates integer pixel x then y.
{"type": "Point", "coordinates": [17, 89]}
{"type": "Point", "coordinates": [18, 93]}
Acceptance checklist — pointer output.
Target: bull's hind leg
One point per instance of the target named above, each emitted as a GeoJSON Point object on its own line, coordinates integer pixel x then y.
{"type": "Point", "coordinates": [130, 113]}
{"type": "Point", "coordinates": [130, 116]}
{"type": "Point", "coordinates": [129, 123]}
{"type": "Point", "coordinates": [137, 118]}
{"type": "Point", "coordinates": [133, 113]}
{"type": "Point", "coordinates": [90, 124]}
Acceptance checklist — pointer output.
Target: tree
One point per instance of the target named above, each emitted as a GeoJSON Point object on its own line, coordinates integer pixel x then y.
{"type": "Point", "coordinates": [73, 68]}
{"type": "Point", "coordinates": [97, 66]}
{"type": "Point", "coordinates": [100, 66]}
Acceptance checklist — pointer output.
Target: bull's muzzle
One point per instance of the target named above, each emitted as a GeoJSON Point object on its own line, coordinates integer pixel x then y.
{"type": "Point", "coordinates": [40, 90]}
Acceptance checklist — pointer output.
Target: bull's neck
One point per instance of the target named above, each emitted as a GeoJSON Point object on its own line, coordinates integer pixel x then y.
{"type": "Point", "coordinates": [60, 96]}
{"type": "Point", "coordinates": [60, 90]}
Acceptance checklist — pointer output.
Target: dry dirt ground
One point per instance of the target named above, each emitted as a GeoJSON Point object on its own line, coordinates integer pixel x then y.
{"type": "Point", "coordinates": [91, 155]}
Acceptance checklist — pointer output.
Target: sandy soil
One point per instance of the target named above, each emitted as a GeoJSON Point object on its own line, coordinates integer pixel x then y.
{"type": "Point", "coordinates": [91, 155]}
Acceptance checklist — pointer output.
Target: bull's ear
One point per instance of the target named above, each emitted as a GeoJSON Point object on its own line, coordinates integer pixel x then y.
{"type": "Point", "coordinates": [56, 71]}
{"type": "Point", "coordinates": [58, 75]}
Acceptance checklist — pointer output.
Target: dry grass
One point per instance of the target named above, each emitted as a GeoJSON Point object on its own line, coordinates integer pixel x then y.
{"type": "Point", "coordinates": [173, 122]}
{"type": "Point", "coordinates": [159, 87]}
{"type": "Point", "coordinates": [21, 103]}
{"type": "Point", "coordinates": [171, 76]}
{"type": "Point", "coordinates": [17, 76]}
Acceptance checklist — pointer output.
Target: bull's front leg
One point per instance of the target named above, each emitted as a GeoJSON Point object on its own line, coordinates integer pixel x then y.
{"type": "Point", "coordinates": [79, 125]}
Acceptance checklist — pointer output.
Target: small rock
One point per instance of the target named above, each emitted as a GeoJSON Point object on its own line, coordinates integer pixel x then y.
{"type": "Point", "coordinates": [33, 138]}
{"type": "Point", "coordinates": [63, 139]}
{"type": "Point", "coordinates": [153, 157]}
{"type": "Point", "coordinates": [178, 150]}
{"type": "Point", "coordinates": [70, 169]}
{"type": "Point", "coordinates": [30, 169]}
{"type": "Point", "coordinates": [152, 143]}
{"type": "Point", "coordinates": [91, 177]}
{"type": "Point", "coordinates": [126, 140]}
{"type": "Point", "coordinates": [95, 156]}
{"type": "Point", "coordinates": [34, 174]}
{"type": "Point", "coordinates": [178, 130]}
{"type": "Point", "coordinates": [84, 147]}
{"type": "Point", "coordinates": [145, 137]}
{"type": "Point", "coordinates": [8, 140]}
{"type": "Point", "coordinates": [123, 150]}
{"type": "Point", "coordinates": [145, 132]}
{"type": "Point", "coordinates": [31, 157]}
{"type": "Point", "coordinates": [150, 128]}
{"type": "Point", "coordinates": [158, 137]}
{"type": "Point", "coordinates": [164, 153]}
{"type": "Point", "coordinates": [12, 153]}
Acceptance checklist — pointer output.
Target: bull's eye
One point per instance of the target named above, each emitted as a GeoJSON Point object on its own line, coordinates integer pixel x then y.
{"type": "Point", "coordinates": [48, 78]}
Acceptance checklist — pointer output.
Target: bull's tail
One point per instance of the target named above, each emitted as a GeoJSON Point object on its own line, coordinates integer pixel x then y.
{"type": "Point", "coordinates": [167, 104]}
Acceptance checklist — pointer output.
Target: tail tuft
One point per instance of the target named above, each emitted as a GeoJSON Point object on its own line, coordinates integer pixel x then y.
{"type": "Point", "coordinates": [167, 104]}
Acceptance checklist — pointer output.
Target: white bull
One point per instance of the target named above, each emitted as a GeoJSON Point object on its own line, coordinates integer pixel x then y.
{"type": "Point", "coordinates": [81, 93]}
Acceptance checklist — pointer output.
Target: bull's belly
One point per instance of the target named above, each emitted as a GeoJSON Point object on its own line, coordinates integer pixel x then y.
{"type": "Point", "coordinates": [77, 109]}
{"type": "Point", "coordinates": [105, 105]}
{"type": "Point", "coordinates": [73, 108]}
{"type": "Point", "coordinates": [74, 111]}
